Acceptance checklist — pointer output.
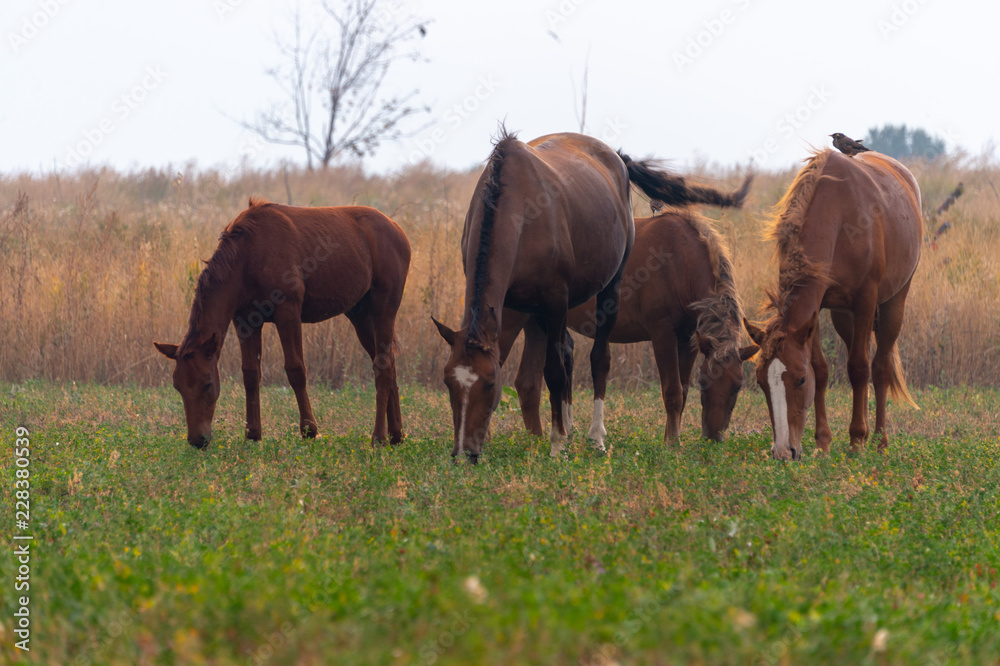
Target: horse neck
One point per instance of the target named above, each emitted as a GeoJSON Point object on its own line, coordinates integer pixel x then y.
{"type": "Point", "coordinates": [801, 302]}
{"type": "Point", "coordinates": [502, 255]}
{"type": "Point", "coordinates": [215, 306]}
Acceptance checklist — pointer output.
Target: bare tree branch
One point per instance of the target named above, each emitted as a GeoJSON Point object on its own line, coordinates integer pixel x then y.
{"type": "Point", "coordinates": [333, 75]}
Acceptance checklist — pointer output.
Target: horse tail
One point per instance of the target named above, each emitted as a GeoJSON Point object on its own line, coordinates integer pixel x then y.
{"type": "Point", "coordinates": [671, 189]}
{"type": "Point", "coordinates": [897, 381]}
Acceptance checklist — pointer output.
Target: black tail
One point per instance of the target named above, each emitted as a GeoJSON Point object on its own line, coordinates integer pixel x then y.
{"type": "Point", "coordinates": [660, 185]}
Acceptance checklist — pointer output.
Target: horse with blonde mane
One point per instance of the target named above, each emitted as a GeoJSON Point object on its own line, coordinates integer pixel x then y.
{"type": "Point", "coordinates": [848, 237]}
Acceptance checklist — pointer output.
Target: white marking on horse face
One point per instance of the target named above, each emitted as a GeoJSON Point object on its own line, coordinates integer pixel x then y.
{"type": "Point", "coordinates": [465, 376]}
{"type": "Point", "coordinates": [779, 402]}
{"type": "Point", "coordinates": [461, 425]}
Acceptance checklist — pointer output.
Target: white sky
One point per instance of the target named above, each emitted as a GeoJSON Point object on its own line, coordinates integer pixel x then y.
{"type": "Point", "coordinates": [843, 66]}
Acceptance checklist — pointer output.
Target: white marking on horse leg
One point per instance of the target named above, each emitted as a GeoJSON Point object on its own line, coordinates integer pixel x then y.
{"type": "Point", "coordinates": [567, 412]}
{"type": "Point", "coordinates": [597, 430]}
{"type": "Point", "coordinates": [779, 403]}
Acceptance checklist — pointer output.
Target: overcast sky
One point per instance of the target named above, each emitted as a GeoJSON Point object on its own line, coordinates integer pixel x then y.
{"type": "Point", "coordinates": [137, 84]}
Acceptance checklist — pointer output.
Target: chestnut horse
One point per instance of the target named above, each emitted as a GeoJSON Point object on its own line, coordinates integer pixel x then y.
{"type": "Point", "coordinates": [678, 292]}
{"type": "Point", "coordinates": [549, 227]}
{"type": "Point", "coordinates": [848, 234]}
{"type": "Point", "coordinates": [289, 266]}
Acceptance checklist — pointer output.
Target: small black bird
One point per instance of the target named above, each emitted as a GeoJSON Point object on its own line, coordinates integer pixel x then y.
{"type": "Point", "coordinates": [847, 145]}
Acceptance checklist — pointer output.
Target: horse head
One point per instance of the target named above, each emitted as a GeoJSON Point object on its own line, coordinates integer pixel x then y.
{"type": "Point", "coordinates": [785, 375]}
{"type": "Point", "coordinates": [196, 378]}
{"type": "Point", "coordinates": [472, 375]}
{"type": "Point", "coordinates": [720, 380]}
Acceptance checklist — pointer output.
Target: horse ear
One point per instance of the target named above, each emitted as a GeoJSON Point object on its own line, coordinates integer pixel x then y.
{"type": "Point", "coordinates": [748, 352]}
{"type": "Point", "coordinates": [704, 344]}
{"type": "Point", "coordinates": [211, 345]}
{"type": "Point", "coordinates": [756, 334]}
{"type": "Point", "coordinates": [446, 333]}
{"type": "Point", "coordinates": [168, 350]}
{"type": "Point", "coordinates": [804, 333]}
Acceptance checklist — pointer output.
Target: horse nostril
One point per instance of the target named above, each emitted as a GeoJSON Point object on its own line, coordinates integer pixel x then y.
{"type": "Point", "coordinates": [795, 453]}
{"type": "Point", "coordinates": [473, 458]}
{"type": "Point", "coordinates": [199, 442]}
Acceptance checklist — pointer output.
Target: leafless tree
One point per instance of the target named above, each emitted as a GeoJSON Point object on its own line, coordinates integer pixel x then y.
{"type": "Point", "coordinates": [335, 103]}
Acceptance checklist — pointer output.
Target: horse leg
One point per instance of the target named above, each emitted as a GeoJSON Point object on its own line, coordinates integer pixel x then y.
{"type": "Point", "coordinates": [287, 319]}
{"type": "Point", "coordinates": [686, 356]}
{"type": "Point", "coordinates": [859, 368]}
{"type": "Point", "coordinates": [605, 316]}
{"type": "Point", "coordinates": [568, 347]}
{"type": "Point", "coordinates": [821, 370]}
{"type": "Point", "coordinates": [665, 352]}
{"type": "Point", "coordinates": [555, 378]}
{"type": "Point", "coordinates": [250, 348]}
{"type": "Point", "coordinates": [890, 322]}
{"type": "Point", "coordinates": [361, 319]}
{"type": "Point", "coordinates": [529, 376]}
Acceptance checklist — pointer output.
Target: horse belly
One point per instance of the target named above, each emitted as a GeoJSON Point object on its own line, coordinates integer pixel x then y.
{"type": "Point", "coordinates": [327, 296]}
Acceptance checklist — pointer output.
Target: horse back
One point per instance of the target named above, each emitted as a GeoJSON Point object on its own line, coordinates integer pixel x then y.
{"type": "Point", "coordinates": [327, 258]}
{"type": "Point", "coordinates": [868, 212]}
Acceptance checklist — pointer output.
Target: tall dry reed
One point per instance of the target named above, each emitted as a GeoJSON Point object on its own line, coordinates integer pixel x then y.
{"type": "Point", "coordinates": [95, 266]}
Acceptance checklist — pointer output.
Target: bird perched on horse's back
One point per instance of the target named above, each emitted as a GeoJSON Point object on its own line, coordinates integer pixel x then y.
{"type": "Point", "coordinates": [847, 145]}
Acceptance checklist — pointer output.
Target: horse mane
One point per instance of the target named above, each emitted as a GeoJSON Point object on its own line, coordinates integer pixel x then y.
{"type": "Point", "coordinates": [224, 260]}
{"type": "Point", "coordinates": [492, 190]}
{"type": "Point", "coordinates": [720, 316]}
{"type": "Point", "coordinates": [795, 268]}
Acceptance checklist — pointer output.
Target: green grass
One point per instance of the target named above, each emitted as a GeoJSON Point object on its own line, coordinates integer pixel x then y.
{"type": "Point", "coordinates": [328, 552]}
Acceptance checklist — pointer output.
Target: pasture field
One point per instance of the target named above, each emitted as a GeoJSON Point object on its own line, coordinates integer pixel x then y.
{"type": "Point", "coordinates": [287, 551]}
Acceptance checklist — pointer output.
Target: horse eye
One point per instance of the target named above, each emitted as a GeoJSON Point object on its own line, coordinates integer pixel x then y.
{"type": "Point", "coordinates": [802, 382]}
{"type": "Point", "coordinates": [208, 387]}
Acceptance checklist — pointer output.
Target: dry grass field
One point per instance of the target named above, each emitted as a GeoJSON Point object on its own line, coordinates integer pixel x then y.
{"type": "Point", "coordinates": [96, 265]}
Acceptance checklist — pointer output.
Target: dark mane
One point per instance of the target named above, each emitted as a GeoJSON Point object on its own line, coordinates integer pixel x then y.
{"type": "Point", "coordinates": [720, 316]}
{"type": "Point", "coordinates": [492, 190]}
{"type": "Point", "coordinates": [219, 268]}
{"type": "Point", "coordinates": [795, 268]}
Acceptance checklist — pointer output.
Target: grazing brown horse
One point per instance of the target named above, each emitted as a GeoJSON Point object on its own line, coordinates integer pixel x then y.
{"type": "Point", "coordinates": [549, 227]}
{"type": "Point", "coordinates": [677, 291]}
{"type": "Point", "coordinates": [290, 266]}
{"type": "Point", "coordinates": [848, 234]}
